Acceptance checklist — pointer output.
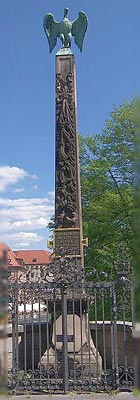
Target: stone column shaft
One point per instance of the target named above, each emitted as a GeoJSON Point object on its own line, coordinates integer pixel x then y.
{"type": "Point", "coordinates": [68, 215]}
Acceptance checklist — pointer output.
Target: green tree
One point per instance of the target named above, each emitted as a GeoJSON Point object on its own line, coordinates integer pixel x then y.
{"type": "Point", "coordinates": [106, 162]}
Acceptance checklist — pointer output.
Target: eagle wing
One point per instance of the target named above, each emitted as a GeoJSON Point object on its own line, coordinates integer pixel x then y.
{"type": "Point", "coordinates": [79, 27]}
{"type": "Point", "coordinates": [51, 28]}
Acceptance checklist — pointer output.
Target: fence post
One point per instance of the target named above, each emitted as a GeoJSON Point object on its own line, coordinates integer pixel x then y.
{"type": "Point", "coordinates": [115, 341]}
{"type": "Point", "coordinates": [64, 339]}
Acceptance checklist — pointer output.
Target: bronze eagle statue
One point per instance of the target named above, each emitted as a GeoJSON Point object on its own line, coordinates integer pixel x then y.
{"type": "Point", "coordinates": [65, 30]}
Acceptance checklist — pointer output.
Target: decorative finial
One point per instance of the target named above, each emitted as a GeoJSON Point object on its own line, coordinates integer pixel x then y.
{"type": "Point", "coordinates": [65, 30]}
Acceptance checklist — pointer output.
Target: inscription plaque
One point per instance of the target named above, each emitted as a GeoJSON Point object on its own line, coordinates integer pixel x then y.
{"type": "Point", "coordinates": [69, 240]}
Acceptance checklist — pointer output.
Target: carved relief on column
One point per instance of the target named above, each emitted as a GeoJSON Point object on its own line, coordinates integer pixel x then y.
{"type": "Point", "coordinates": [66, 156]}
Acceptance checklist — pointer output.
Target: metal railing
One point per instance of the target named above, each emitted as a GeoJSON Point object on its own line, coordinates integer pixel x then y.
{"type": "Point", "coordinates": [56, 349]}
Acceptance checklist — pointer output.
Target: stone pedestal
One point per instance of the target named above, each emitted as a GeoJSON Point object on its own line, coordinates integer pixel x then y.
{"type": "Point", "coordinates": [82, 354]}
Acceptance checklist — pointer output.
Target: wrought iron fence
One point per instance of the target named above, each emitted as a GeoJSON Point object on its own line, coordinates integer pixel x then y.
{"type": "Point", "coordinates": [69, 332]}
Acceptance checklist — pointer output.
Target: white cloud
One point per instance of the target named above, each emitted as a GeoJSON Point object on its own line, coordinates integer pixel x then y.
{"type": "Point", "coordinates": [21, 239]}
{"type": "Point", "coordinates": [11, 176]}
{"type": "Point", "coordinates": [35, 187]}
{"type": "Point", "coordinates": [20, 218]}
{"type": "Point", "coordinates": [24, 201]}
{"type": "Point", "coordinates": [21, 245]}
{"type": "Point", "coordinates": [33, 213]}
{"type": "Point", "coordinates": [30, 236]}
{"type": "Point", "coordinates": [34, 176]}
{"type": "Point", "coordinates": [19, 190]}
{"type": "Point", "coordinates": [51, 193]}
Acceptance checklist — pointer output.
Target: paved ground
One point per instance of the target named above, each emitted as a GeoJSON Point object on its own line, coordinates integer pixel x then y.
{"type": "Point", "coordinates": [73, 396]}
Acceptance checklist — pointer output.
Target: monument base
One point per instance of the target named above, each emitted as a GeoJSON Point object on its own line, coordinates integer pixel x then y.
{"type": "Point", "coordinates": [83, 358]}
{"type": "Point", "coordinates": [90, 365]}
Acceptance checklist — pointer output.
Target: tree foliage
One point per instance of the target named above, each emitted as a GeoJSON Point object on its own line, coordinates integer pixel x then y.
{"type": "Point", "coordinates": [106, 162]}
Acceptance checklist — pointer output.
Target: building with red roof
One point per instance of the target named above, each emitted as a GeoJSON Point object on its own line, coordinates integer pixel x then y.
{"type": "Point", "coordinates": [23, 261]}
{"type": "Point", "coordinates": [34, 261]}
{"type": "Point", "coordinates": [33, 257]}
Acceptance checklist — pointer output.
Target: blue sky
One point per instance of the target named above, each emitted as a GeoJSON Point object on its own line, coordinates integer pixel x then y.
{"type": "Point", "coordinates": [108, 71]}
